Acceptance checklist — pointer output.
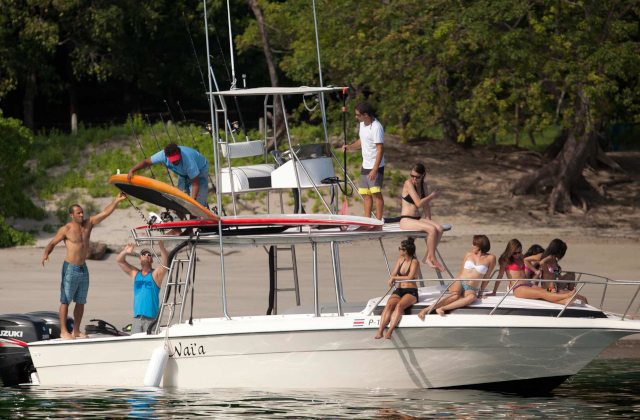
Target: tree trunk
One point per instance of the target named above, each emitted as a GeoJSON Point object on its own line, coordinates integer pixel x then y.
{"type": "Point", "coordinates": [266, 47]}
{"type": "Point", "coordinates": [515, 130]}
{"type": "Point", "coordinates": [27, 103]}
{"type": "Point", "coordinates": [532, 139]}
{"type": "Point", "coordinates": [564, 173]}
{"type": "Point", "coordinates": [555, 148]}
{"type": "Point", "coordinates": [450, 131]}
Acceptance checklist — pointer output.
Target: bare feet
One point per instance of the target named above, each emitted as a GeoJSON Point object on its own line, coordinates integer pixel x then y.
{"type": "Point", "coordinates": [440, 311]}
{"type": "Point", "coordinates": [378, 336]}
{"type": "Point", "coordinates": [388, 336]}
{"type": "Point", "coordinates": [173, 232]}
{"type": "Point", "coordinates": [363, 228]}
{"type": "Point", "coordinates": [433, 264]}
{"type": "Point", "coordinates": [79, 335]}
{"type": "Point", "coordinates": [66, 336]}
{"type": "Point", "coordinates": [376, 229]}
{"type": "Point", "coordinates": [423, 313]}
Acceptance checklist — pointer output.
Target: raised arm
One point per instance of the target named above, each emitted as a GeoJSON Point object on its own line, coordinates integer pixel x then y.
{"type": "Point", "coordinates": [121, 259]}
{"type": "Point", "coordinates": [62, 233]}
{"type": "Point", "coordinates": [420, 202]}
{"type": "Point", "coordinates": [160, 272]}
{"type": "Point", "coordinates": [108, 210]}
{"type": "Point", "coordinates": [528, 262]}
{"type": "Point", "coordinates": [140, 165]}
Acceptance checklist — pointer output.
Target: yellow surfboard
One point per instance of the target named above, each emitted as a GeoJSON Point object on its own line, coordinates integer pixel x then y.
{"type": "Point", "coordinates": [160, 194]}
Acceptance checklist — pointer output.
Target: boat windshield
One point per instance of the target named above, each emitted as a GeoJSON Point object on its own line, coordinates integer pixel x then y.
{"type": "Point", "coordinates": [312, 151]}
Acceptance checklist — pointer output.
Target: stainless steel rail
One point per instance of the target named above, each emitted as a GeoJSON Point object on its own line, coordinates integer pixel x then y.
{"type": "Point", "coordinates": [582, 283]}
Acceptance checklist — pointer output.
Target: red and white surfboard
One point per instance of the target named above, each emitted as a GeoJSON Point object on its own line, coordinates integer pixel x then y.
{"type": "Point", "coordinates": [169, 197]}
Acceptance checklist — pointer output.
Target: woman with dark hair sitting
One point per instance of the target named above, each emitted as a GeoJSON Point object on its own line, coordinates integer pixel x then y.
{"type": "Point", "coordinates": [406, 293]}
{"type": "Point", "coordinates": [550, 269]}
{"type": "Point", "coordinates": [415, 196]}
{"type": "Point", "coordinates": [512, 264]}
{"type": "Point", "coordinates": [477, 265]}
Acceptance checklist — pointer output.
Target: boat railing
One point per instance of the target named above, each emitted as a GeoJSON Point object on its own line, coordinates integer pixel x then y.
{"type": "Point", "coordinates": [607, 281]}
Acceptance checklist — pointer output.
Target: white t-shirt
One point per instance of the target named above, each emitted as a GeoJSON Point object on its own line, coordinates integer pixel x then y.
{"type": "Point", "coordinates": [369, 136]}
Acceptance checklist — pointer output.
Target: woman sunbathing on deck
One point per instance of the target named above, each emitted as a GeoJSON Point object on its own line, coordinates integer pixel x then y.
{"type": "Point", "coordinates": [415, 195]}
{"type": "Point", "coordinates": [550, 270]}
{"type": "Point", "coordinates": [505, 265]}
{"type": "Point", "coordinates": [478, 264]}
{"type": "Point", "coordinates": [512, 264]}
{"type": "Point", "coordinates": [406, 294]}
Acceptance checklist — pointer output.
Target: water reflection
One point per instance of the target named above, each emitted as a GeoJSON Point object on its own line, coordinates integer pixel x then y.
{"type": "Point", "coordinates": [604, 389]}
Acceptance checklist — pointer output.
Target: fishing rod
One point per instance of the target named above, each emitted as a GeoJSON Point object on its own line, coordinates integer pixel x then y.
{"type": "Point", "coordinates": [195, 55]}
{"type": "Point", "coordinates": [175, 124]}
{"type": "Point", "coordinates": [165, 129]}
{"type": "Point", "coordinates": [193, 46]}
{"type": "Point", "coordinates": [159, 149]}
{"type": "Point", "coordinates": [141, 149]}
{"type": "Point", "coordinates": [193, 139]}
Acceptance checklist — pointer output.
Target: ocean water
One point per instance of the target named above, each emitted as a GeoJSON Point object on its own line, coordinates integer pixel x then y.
{"type": "Point", "coordinates": [604, 389]}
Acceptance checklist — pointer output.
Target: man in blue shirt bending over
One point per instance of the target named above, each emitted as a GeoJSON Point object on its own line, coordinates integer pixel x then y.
{"type": "Point", "coordinates": [190, 165]}
{"type": "Point", "coordinates": [146, 285]}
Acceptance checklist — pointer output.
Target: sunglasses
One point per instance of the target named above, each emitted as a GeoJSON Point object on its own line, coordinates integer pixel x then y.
{"type": "Point", "coordinates": [145, 254]}
{"type": "Point", "coordinates": [401, 248]}
{"type": "Point", "coordinates": [416, 176]}
{"type": "Point", "coordinates": [517, 252]}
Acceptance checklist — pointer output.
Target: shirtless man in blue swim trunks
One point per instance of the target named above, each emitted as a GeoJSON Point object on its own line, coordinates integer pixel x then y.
{"type": "Point", "coordinates": [75, 275]}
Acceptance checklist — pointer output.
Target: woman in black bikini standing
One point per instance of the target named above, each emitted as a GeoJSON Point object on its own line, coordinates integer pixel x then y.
{"type": "Point", "coordinates": [406, 294]}
{"type": "Point", "coordinates": [415, 195]}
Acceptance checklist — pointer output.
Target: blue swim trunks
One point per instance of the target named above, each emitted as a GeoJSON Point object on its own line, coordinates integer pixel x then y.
{"type": "Point", "coordinates": [184, 185]}
{"type": "Point", "coordinates": [75, 283]}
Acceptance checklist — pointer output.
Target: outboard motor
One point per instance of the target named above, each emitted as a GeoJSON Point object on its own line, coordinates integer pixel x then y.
{"type": "Point", "coordinates": [15, 332]}
{"type": "Point", "coordinates": [52, 320]}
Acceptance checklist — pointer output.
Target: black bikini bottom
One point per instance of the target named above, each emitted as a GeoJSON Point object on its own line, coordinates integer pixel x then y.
{"type": "Point", "coordinates": [401, 291]}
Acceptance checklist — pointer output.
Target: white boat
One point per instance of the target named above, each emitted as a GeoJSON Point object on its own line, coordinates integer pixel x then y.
{"type": "Point", "coordinates": [526, 344]}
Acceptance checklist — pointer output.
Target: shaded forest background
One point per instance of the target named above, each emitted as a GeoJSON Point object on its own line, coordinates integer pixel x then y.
{"type": "Point", "coordinates": [476, 70]}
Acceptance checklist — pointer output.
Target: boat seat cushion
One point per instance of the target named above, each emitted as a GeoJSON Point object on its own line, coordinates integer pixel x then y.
{"type": "Point", "coordinates": [243, 149]}
{"type": "Point", "coordinates": [252, 176]}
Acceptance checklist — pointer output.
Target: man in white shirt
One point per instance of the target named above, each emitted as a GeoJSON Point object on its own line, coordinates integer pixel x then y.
{"type": "Point", "coordinates": [372, 143]}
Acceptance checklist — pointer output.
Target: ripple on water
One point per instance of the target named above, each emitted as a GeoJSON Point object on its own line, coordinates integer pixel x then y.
{"type": "Point", "coordinates": [603, 389]}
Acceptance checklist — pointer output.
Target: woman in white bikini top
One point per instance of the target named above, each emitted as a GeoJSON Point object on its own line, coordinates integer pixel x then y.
{"type": "Point", "coordinates": [477, 264]}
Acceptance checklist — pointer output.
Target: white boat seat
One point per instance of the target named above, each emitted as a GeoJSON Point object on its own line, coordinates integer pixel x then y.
{"type": "Point", "coordinates": [248, 177]}
{"type": "Point", "coordinates": [242, 149]}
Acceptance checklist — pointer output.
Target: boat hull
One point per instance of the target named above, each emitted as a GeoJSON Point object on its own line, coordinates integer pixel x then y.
{"type": "Point", "coordinates": [416, 357]}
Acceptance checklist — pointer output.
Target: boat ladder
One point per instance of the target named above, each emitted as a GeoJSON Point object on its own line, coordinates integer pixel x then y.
{"type": "Point", "coordinates": [293, 268]}
{"type": "Point", "coordinates": [180, 281]}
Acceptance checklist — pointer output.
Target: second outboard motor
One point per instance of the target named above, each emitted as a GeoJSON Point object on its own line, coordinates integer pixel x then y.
{"type": "Point", "coordinates": [15, 332]}
{"type": "Point", "coordinates": [52, 320]}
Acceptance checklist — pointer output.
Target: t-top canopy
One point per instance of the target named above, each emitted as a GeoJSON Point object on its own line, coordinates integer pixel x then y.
{"type": "Point", "coordinates": [302, 90]}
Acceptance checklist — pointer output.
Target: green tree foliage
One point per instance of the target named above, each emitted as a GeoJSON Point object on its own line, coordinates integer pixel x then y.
{"type": "Point", "coordinates": [479, 68]}
{"type": "Point", "coordinates": [10, 237]}
{"type": "Point", "coordinates": [16, 148]}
